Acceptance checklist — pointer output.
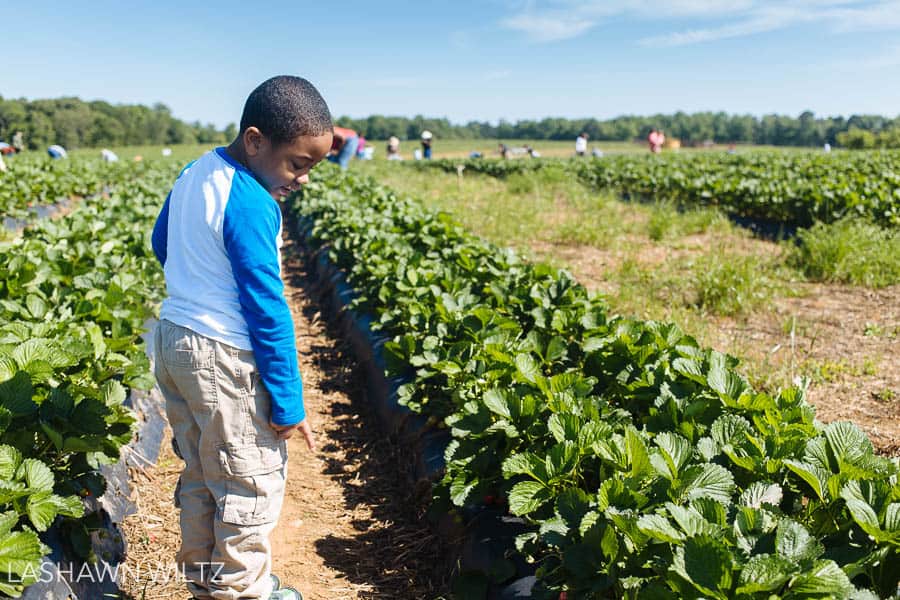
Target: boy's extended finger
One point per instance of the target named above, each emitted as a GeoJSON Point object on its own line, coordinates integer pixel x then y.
{"type": "Point", "coordinates": [308, 434]}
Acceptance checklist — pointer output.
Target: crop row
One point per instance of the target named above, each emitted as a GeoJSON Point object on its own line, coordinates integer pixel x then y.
{"type": "Point", "coordinates": [33, 181]}
{"type": "Point", "coordinates": [794, 189]}
{"type": "Point", "coordinates": [645, 465]}
{"type": "Point", "coordinates": [74, 295]}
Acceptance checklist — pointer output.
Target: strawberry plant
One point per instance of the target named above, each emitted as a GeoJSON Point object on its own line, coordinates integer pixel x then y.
{"type": "Point", "coordinates": [74, 296]}
{"type": "Point", "coordinates": [646, 465]}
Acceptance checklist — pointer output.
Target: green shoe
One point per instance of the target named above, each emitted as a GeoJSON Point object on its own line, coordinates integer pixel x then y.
{"type": "Point", "coordinates": [287, 593]}
{"type": "Point", "coordinates": [276, 583]}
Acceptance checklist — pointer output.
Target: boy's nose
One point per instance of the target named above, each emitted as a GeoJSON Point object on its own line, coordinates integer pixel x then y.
{"type": "Point", "coordinates": [303, 179]}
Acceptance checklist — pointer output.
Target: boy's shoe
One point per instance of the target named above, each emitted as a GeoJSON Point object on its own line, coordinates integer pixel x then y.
{"type": "Point", "coordinates": [276, 583]}
{"type": "Point", "coordinates": [286, 593]}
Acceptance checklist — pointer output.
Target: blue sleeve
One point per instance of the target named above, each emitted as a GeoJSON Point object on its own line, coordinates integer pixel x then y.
{"type": "Point", "coordinates": [160, 237]}
{"type": "Point", "coordinates": [250, 231]}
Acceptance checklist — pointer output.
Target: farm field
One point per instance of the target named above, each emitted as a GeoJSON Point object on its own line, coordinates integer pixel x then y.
{"type": "Point", "coordinates": [743, 295]}
{"type": "Point", "coordinates": [613, 425]}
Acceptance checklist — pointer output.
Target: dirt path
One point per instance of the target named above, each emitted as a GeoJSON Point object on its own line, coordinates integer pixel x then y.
{"type": "Point", "coordinates": [351, 527]}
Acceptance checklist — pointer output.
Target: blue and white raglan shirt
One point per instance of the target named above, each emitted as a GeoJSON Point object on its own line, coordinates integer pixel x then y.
{"type": "Point", "coordinates": [218, 238]}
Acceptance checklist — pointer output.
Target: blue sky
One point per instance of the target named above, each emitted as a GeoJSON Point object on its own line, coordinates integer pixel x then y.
{"type": "Point", "coordinates": [465, 59]}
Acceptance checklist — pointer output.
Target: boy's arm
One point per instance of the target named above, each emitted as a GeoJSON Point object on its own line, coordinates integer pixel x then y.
{"type": "Point", "coordinates": [250, 231]}
{"type": "Point", "coordinates": [160, 238]}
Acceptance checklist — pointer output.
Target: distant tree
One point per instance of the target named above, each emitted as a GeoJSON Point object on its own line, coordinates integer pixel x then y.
{"type": "Point", "coordinates": [857, 139]}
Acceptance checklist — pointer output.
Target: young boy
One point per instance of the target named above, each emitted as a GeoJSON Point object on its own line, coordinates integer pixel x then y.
{"type": "Point", "coordinates": [225, 356]}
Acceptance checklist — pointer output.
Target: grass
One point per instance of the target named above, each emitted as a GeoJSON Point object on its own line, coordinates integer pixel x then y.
{"type": "Point", "coordinates": [667, 221]}
{"type": "Point", "coordinates": [732, 284]}
{"type": "Point", "coordinates": [836, 370]}
{"type": "Point", "coordinates": [850, 251]}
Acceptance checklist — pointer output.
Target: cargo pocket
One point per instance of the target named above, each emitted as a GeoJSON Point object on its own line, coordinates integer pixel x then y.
{"type": "Point", "coordinates": [254, 483]}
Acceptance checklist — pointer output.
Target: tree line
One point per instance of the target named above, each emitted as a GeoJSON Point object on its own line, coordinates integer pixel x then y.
{"type": "Point", "coordinates": [692, 129]}
{"type": "Point", "coordinates": [75, 123]}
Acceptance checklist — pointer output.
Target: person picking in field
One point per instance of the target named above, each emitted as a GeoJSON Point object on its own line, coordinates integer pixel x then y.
{"type": "Point", "coordinates": [426, 144]}
{"type": "Point", "coordinates": [581, 144]}
{"type": "Point", "coordinates": [343, 148]}
{"type": "Point", "coordinates": [225, 358]}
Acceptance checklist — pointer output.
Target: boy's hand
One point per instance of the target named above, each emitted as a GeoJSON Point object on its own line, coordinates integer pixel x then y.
{"type": "Point", "coordinates": [286, 431]}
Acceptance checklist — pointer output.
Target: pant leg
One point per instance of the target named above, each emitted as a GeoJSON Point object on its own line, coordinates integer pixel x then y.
{"type": "Point", "coordinates": [221, 414]}
{"type": "Point", "coordinates": [181, 372]}
{"type": "Point", "coordinates": [250, 484]}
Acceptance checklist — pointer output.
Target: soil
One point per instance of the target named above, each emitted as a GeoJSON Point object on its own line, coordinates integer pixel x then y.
{"type": "Point", "coordinates": [351, 526]}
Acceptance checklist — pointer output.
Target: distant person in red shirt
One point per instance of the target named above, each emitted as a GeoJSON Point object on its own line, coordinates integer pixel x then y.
{"type": "Point", "coordinates": [344, 146]}
{"type": "Point", "coordinates": [656, 139]}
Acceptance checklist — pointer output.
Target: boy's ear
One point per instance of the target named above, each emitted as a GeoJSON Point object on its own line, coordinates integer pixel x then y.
{"type": "Point", "coordinates": [253, 139]}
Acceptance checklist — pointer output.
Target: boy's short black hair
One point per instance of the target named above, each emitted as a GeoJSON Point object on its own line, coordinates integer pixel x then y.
{"type": "Point", "coordinates": [286, 107]}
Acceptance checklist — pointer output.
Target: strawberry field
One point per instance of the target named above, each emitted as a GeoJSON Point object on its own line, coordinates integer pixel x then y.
{"type": "Point", "coordinates": [786, 188]}
{"type": "Point", "coordinates": [639, 463]}
{"type": "Point", "coordinates": [646, 466]}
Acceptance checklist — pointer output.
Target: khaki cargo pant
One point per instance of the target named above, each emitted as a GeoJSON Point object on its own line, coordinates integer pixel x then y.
{"type": "Point", "coordinates": [232, 486]}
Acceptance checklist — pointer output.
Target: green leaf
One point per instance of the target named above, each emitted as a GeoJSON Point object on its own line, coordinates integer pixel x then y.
{"type": "Point", "coordinates": [10, 490]}
{"type": "Point", "coordinates": [10, 459]}
{"type": "Point", "coordinates": [706, 563]}
{"type": "Point", "coordinates": [564, 426]}
{"type": "Point", "coordinates": [708, 480]}
{"type": "Point", "coordinates": [113, 393]}
{"type": "Point", "coordinates": [725, 381]}
{"type": "Point", "coordinates": [8, 520]}
{"type": "Point", "coordinates": [527, 496]}
{"type": "Point", "coordinates": [638, 457]}
{"type": "Point", "coordinates": [690, 368]}
{"type": "Point", "coordinates": [658, 527]}
{"type": "Point", "coordinates": [711, 510]}
{"type": "Point", "coordinates": [89, 416]}
{"type": "Point", "coordinates": [32, 350]}
{"type": "Point", "coordinates": [41, 510]}
{"type": "Point", "coordinates": [691, 521]}
{"type": "Point", "coordinates": [816, 477]}
{"type": "Point", "coordinates": [525, 463]}
{"type": "Point", "coordinates": [69, 506]}
{"type": "Point", "coordinates": [572, 504]}
{"type": "Point", "coordinates": [892, 518]}
{"type": "Point", "coordinates": [528, 367]}
{"type": "Point", "coordinates": [759, 493]}
{"type": "Point", "coordinates": [864, 516]}
{"type": "Point", "coordinates": [21, 553]}
{"type": "Point", "coordinates": [36, 306]}
{"type": "Point", "coordinates": [675, 449]}
{"type": "Point", "coordinates": [794, 542]}
{"type": "Point", "coordinates": [847, 442]}
{"type": "Point", "coordinates": [765, 573]}
{"type": "Point", "coordinates": [37, 475]}
{"type": "Point", "coordinates": [824, 580]}
{"type": "Point", "coordinates": [8, 367]}
{"type": "Point", "coordinates": [729, 429]}
{"type": "Point", "coordinates": [16, 395]}
{"type": "Point", "coordinates": [460, 488]}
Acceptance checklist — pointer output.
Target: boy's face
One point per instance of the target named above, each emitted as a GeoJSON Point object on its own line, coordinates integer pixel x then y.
{"type": "Point", "coordinates": [283, 168]}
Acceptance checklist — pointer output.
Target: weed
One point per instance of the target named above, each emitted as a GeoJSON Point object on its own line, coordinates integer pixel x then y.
{"type": "Point", "coordinates": [851, 251]}
{"type": "Point", "coordinates": [731, 284]}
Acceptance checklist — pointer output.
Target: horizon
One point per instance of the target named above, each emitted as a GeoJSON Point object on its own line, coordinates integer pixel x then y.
{"type": "Point", "coordinates": [504, 59]}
